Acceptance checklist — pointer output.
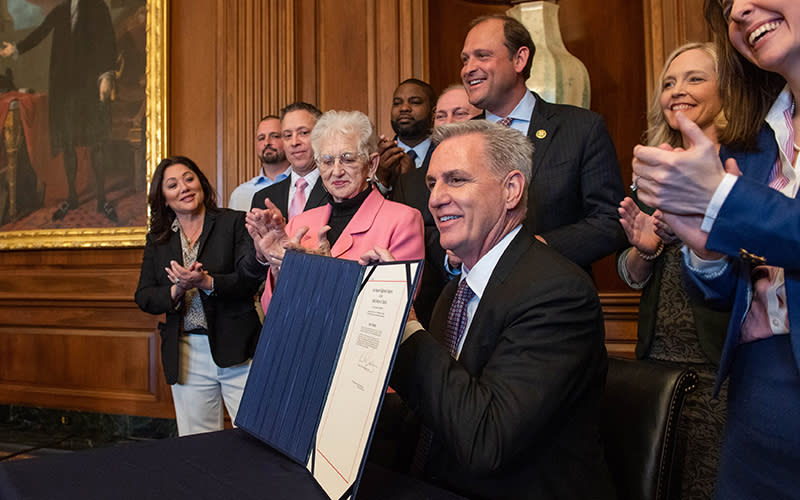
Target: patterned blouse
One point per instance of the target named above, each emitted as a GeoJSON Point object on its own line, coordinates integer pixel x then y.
{"type": "Point", "coordinates": [194, 317]}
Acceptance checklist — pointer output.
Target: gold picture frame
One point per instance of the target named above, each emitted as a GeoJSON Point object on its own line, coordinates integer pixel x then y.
{"type": "Point", "coordinates": [156, 87]}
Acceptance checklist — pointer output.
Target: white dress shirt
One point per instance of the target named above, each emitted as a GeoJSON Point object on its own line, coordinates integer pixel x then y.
{"type": "Point", "coordinates": [521, 113]}
{"type": "Point", "coordinates": [311, 179]}
{"type": "Point", "coordinates": [478, 277]}
{"type": "Point", "coordinates": [420, 149]}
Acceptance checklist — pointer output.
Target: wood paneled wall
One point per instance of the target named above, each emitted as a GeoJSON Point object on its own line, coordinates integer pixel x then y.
{"type": "Point", "coordinates": [70, 334]}
{"type": "Point", "coordinates": [272, 52]}
{"type": "Point", "coordinates": [669, 24]}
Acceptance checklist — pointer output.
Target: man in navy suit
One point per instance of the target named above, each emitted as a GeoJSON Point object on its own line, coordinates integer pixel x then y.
{"type": "Point", "coordinates": [576, 185]}
{"type": "Point", "coordinates": [302, 189]}
{"type": "Point", "coordinates": [508, 377]}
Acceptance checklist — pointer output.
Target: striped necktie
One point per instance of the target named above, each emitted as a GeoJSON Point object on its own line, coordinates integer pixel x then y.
{"type": "Point", "coordinates": [454, 332]}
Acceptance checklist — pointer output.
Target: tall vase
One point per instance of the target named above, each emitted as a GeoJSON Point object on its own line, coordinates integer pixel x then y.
{"type": "Point", "coordinates": [556, 75]}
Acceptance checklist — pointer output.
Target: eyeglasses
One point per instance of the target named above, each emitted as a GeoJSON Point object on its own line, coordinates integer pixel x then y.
{"type": "Point", "coordinates": [346, 160]}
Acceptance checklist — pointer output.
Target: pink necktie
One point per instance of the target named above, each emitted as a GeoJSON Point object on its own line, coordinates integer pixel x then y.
{"type": "Point", "coordinates": [506, 122]}
{"type": "Point", "coordinates": [299, 200]}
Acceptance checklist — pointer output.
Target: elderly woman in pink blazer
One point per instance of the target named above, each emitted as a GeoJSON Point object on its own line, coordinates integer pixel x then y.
{"type": "Point", "coordinates": [356, 220]}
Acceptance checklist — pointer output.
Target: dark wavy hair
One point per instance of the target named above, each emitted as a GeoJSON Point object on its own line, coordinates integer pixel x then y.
{"type": "Point", "coordinates": [161, 216]}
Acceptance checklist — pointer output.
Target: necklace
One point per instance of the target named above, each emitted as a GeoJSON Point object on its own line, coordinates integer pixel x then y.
{"type": "Point", "coordinates": [190, 238]}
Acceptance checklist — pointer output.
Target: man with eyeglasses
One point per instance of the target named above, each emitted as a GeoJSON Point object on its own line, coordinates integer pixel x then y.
{"type": "Point", "coordinates": [301, 190]}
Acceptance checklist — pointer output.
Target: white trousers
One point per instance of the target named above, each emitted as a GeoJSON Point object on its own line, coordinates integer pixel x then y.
{"type": "Point", "coordinates": [203, 386]}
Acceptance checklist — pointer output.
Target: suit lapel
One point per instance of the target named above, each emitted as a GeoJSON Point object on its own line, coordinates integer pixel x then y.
{"type": "Point", "coordinates": [175, 249]}
{"type": "Point", "coordinates": [442, 310]}
{"type": "Point", "coordinates": [542, 128]}
{"type": "Point", "coordinates": [427, 159]}
{"type": "Point", "coordinates": [360, 223]}
{"type": "Point", "coordinates": [757, 165]}
{"type": "Point", "coordinates": [208, 226]}
{"type": "Point", "coordinates": [283, 197]}
{"type": "Point", "coordinates": [481, 338]}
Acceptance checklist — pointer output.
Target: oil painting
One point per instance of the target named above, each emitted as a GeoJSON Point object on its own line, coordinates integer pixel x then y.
{"type": "Point", "coordinates": [81, 100]}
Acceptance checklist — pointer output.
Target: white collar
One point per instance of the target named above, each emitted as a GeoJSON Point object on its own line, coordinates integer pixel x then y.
{"type": "Point", "coordinates": [522, 111]}
{"type": "Point", "coordinates": [478, 277]}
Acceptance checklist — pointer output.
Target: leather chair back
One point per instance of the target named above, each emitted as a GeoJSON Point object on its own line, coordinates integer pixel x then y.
{"type": "Point", "coordinates": [643, 401]}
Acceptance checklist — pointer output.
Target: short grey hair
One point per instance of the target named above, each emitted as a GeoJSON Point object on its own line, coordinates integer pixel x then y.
{"type": "Point", "coordinates": [348, 123]}
{"type": "Point", "coordinates": [451, 87]}
{"type": "Point", "coordinates": [506, 148]}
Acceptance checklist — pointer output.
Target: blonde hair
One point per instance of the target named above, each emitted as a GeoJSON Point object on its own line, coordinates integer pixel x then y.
{"type": "Point", "coordinates": [658, 129]}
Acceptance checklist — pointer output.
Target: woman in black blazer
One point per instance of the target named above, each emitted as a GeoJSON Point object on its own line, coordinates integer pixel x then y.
{"type": "Point", "coordinates": [189, 272]}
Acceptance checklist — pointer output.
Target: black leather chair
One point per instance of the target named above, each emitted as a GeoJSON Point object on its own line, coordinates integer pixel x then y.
{"type": "Point", "coordinates": [643, 401]}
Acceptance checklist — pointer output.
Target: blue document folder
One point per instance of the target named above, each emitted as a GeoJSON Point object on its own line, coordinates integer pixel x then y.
{"type": "Point", "coordinates": [323, 361]}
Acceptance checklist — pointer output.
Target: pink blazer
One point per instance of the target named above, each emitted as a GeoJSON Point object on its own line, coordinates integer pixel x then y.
{"type": "Point", "coordinates": [379, 222]}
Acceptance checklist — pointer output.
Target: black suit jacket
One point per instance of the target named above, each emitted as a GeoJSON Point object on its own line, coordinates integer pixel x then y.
{"type": "Point", "coordinates": [233, 324]}
{"type": "Point", "coordinates": [77, 59]}
{"type": "Point", "coordinates": [576, 183]}
{"type": "Point", "coordinates": [411, 189]}
{"type": "Point", "coordinates": [516, 415]}
{"type": "Point", "coordinates": [278, 193]}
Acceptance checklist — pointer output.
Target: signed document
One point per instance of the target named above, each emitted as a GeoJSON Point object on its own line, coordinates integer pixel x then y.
{"type": "Point", "coordinates": [323, 362]}
{"type": "Point", "coordinates": [359, 380]}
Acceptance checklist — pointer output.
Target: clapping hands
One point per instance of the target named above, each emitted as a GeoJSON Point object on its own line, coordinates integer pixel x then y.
{"type": "Point", "coordinates": [186, 278]}
{"type": "Point", "coordinates": [640, 228]}
{"type": "Point", "coordinates": [268, 230]}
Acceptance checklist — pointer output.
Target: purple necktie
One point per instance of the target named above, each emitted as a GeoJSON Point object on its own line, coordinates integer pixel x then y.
{"type": "Point", "coordinates": [457, 318]}
{"type": "Point", "coordinates": [299, 200]}
{"type": "Point", "coordinates": [506, 122]}
{"type": "Point", "coordinates": [456, 327]}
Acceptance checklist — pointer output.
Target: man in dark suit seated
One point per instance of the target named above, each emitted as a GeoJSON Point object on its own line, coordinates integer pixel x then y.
{"type": "Point", "coordinates": [508, 378]}
{"type": "Point", "coordinates": [577, 184]}
{"type": "Point", "coordinates": [302, 190]}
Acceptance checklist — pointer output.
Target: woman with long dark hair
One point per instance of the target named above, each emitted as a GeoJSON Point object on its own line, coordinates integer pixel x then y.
{"type": "Point", "coordinates": [189, 271]}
